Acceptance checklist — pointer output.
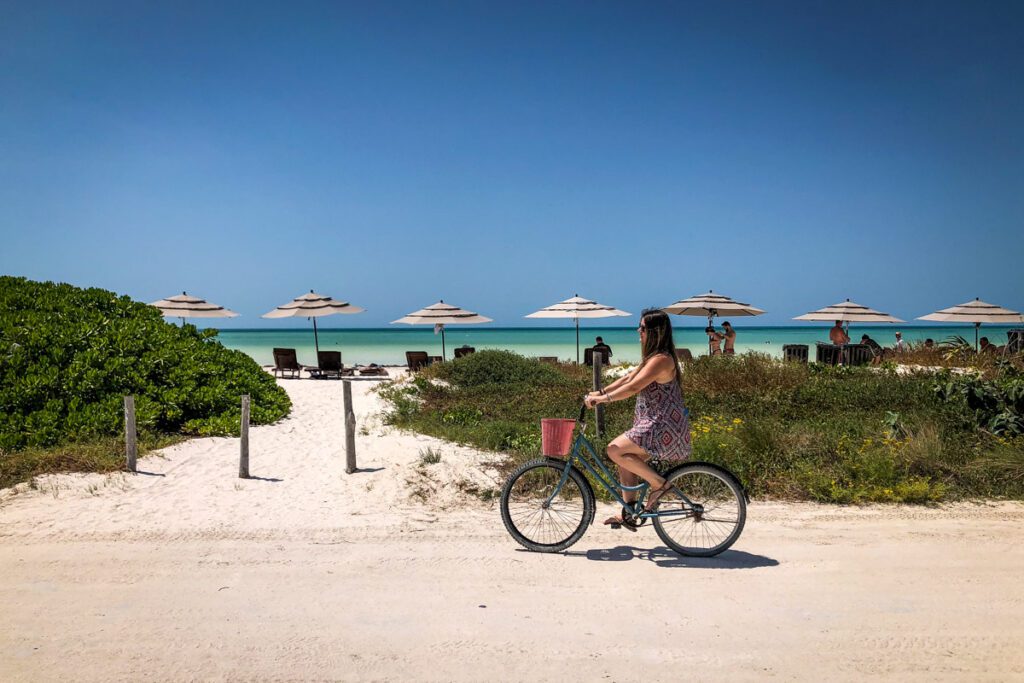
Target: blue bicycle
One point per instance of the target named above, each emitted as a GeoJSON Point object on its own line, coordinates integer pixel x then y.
{"type": "Point", "coordinates": [548, 503]}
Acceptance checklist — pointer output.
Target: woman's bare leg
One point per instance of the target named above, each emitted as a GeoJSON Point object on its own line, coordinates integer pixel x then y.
{"type": "Point", "coordinates": [632, 462]}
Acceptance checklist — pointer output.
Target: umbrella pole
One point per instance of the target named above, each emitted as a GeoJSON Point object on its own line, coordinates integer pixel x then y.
{"type": "Point", "coordinates": [977, 326]}
{"type": "Point", "coordinates": [577, 341]}
{"type": "Point", "coordinates": [710, 352]}
{"type": "Point", "coordinates": [316, 339]}
{"type": "Point", "coordinates": [443, 352]}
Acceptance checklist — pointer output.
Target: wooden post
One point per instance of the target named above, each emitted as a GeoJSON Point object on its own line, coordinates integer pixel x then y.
{"type": "Point", "coordinates": [350, 428]}
{"type": "Point", "coordinates": [598, 357]}
{"type": "Point", "coordinates": [131, 448]}
{"type": "Point", "coordinates": [243, 458]}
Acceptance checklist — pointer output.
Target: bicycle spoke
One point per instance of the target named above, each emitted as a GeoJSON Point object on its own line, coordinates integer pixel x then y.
{"type": "Point", "coordinates": [721, 517]}
{"type": "Point", "coordinates": [534, 515]}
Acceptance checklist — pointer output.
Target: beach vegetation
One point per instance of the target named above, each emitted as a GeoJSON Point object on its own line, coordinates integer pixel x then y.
{"type": "Point", "coordinates": [429, 456]}
{"type": "Point", "coordinates": [68, 356]}
{"type": "Point", "coordinates": [788, 430]}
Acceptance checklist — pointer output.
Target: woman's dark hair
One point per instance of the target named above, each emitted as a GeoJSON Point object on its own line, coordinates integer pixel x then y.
{"type": "Point", "coordinates": [659, 338]}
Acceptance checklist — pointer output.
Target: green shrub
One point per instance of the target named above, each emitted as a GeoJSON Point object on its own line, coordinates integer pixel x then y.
{"type": "Point", "coordinates": [495, 367]}
{"type": "Point", "coordinates": [995, 405]}
{"type": "Point", "coordinates": [840, 435]}
{"type": "Point", "coordinates": [68, 356]}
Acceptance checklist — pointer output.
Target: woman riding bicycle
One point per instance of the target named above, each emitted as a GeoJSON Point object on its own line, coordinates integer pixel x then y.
{"type": "Point", "coordinates": [661, 426]}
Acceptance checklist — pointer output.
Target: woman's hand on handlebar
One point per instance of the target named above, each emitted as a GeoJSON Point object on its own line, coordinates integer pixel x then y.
{"type": "Point", "coordinates": [593, 398]}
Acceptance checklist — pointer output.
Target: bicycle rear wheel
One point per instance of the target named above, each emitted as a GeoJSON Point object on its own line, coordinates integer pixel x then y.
{"type": "Point", "coordinates": [537, 524]}
{"type": "Point", "coordinates": [712, 528]}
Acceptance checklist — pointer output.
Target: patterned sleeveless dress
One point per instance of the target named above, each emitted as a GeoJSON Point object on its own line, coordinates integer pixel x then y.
{"type": "Point", "coordinates": [661, 425]}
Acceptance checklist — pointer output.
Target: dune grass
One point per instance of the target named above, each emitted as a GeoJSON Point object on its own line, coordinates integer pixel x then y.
{"type": "Point", "coordinates": [104, 454]}
{"type": "Point", "coordinates": [789, 431]}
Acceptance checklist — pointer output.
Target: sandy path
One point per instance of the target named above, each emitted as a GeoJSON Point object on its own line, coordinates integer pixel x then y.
{"type": "Point", "coordinates": [323, 576]}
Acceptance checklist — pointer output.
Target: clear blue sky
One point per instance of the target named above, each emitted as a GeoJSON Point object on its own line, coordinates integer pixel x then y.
{"type": "Point", "coordinates": [503, 156]}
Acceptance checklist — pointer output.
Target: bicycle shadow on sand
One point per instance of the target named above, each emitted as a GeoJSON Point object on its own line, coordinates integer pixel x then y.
{"type": "Point", "coordinates": [665, 557]}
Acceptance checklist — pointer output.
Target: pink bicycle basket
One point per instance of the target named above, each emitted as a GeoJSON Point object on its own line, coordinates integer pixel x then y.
{"type": "Point", "coordinates": [556, 436]}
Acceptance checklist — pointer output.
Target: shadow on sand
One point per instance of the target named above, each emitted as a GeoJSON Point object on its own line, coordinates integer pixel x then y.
{"type": "Point", "coordinates": [665, 557]}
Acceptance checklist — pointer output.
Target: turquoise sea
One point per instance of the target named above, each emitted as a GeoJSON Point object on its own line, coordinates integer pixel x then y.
{"type": "Point", "coordinates": [387, 346]}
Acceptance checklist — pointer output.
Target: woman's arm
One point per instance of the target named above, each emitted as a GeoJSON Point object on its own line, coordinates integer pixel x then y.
{"type": "Point", "coordinates": [634, 384]}
{"type": "Point", "coordinates": [621, 380]}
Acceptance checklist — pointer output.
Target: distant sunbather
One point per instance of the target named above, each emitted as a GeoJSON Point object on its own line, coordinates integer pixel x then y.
{"type": "Point", "coordinates": [730, 339]}
{"type": "Point", "coordinates": [837, 335]}
{"type": "Point", "coordinates": [715, 340]}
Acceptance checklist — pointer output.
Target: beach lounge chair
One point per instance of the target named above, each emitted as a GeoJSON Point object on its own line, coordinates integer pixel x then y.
{"type": "Point", "coordinates": [857, 354]}
{"type": "Point", "coordinates": [286, 361]}
{"type": "Point", "coordinates": [553, 360]}
{"type": "Point", "coordinates": [464, 351]}
{"type": "Point", "coordinates": [588, 356]}
{"type": "Point", "coordinates": [684, 356]}
{"type": "Point", "coordinates": [372, 370]}
{"type": "Point", "coordinates": [1014, 341]}
{"type": "Point", "coordinates": [795, 353]}
{"type": "Point", "coordinates": [829, 354]}
{"type": "Point", "coordinates": [329, 365]}
{"type": "Point", "coordinates": [416, 360]}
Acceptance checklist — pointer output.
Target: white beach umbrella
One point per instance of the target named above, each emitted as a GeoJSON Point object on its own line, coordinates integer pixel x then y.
{"type": "Point", "coordinates": [711, 305]}
{"type": "Point", "coordinates": [976, 312]}
{"type": "Point", "coordinates": [313, 306]}
{"type": "Point", "coordinates": [849, 312]}
{"type": "Point", "coordinates": [185, 306]}
{"type": "Point", "coordinates": [439, 315]}
{"type": "Point", "coordinates": [577, 307]}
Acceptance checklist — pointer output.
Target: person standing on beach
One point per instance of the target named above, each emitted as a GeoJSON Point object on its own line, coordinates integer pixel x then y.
{"type": "Point", "coordinates": [661, 424]}
{"type": "Point", "coordinates": [901, 345]}
{"type": "Point", "coordinates": [730, 339]}
{"type": "Point", "coordinates": [715, 340]}
{"type": "Point", "coordinates": [837, 335]}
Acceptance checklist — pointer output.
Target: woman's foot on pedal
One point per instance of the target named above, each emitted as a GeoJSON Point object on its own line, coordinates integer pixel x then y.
{"type": "Point", "coordinates": [656, 495]}
{"type": "Point", "coordinates": [618, 521]}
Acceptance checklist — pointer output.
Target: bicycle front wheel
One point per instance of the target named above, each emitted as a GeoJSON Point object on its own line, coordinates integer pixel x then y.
{"type": "Point", "coordinates": [539, 521]}
{"type": "Point", "coordinates": [715, 524]}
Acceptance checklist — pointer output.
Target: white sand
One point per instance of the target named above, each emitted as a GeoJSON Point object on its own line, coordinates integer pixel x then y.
{"type": "Point", "coordinates": [189, 573]}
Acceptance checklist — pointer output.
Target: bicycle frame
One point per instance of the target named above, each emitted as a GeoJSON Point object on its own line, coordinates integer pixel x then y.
{"type": "Point", "coordinates": [582, 448]}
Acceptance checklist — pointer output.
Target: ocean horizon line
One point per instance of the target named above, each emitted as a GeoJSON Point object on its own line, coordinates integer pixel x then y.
{"type": "Point", "coordinates": [414, 328]}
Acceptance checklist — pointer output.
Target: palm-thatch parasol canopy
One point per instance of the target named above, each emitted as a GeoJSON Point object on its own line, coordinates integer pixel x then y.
{"type": "Point", "coordinates": [439, 315]}
{"type": "Point", "coordinates": [577, 307]}
{"type": "Point", "coordinates": [849, 312]}
{"type": "Point", "coordinates": [976, 312]}
{"type": "Point", "coordinates": [185, 306]}
{"type": "Point", "coordinates": [313, 306]}
{"type": "Point", "coordinates": [711, 305]}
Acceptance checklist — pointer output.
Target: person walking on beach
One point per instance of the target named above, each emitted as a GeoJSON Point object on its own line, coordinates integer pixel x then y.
{"type": "Point", "coordinates": [730, 339]}
{"type": "Point", "coordinates": [837, 335]}
{"type": "Point", "coordinates": [715, 340]}
{"type": "Point", "coordinates": [661, 425]}
{"type": "Point", "coordinates": [901, 345]}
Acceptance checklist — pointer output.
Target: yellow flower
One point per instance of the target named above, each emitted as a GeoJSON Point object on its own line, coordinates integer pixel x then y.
{"type": "Point", "coordinates": [737, 421]}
